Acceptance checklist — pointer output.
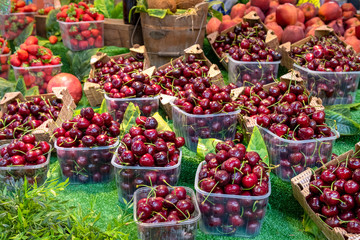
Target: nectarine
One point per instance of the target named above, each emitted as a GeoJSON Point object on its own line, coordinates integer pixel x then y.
{"type": "Point", "coordinates": [338, 26]}
{"type": "Point", "coordinates": [213, 25]}
{"type": "Point", "coordinates": [257, 10]}
{"type": "Point", "coordinates": [309, 10]}
{"type": "Point", "coordinates": [292, 34]}
{"type": "Point", "coordinates": [352, 22]}
{"type": "Point", "coordinates": [262, 4]}
{"type": "Point", "coordinates": [288, 1]}
{"type": "Point", "coordinates": [270, 18]}
{"type": "Point", "coordinates": [300, 15]}
{"type": "Point", "coordinates": [350, 32]}
{"type": "Point", "coordinates": [354, 42]}
{"type": "Point", "coordinates": [314, 21]}
{"type": "Point", "coordinates": [286, 14]}
{"type": "Point", "coordinates": [226, 24]}
{"type": "Point", "coordinates": [276, 28]}
{"type": "Point", "coordinates": [237, 11]}
{"type": "Point", "coordinates": [330, 11]}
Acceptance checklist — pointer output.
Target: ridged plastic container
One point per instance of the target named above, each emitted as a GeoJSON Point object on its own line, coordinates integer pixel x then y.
{"type": "Point", "coordinates": [117, 106]}
{"type": "Point", "coordinates": [13, 24]}
{"type": "Point", "coordinates": [98, 168]}
{"type": "Point", "coordinates": [4, 66]}
{"type": "Point", "coordinates": [294, 157]}
{"type": "Point", "coordinates": [37, 76]}
{"type": "Point", "coordinates": [249, 73]}
{"type": "Point", "coordinates": [331, 87]}
{"type": "Point", "coordinates": [11, 174]}
{"type": "Point", "coordinates": [129, 177]}
{"type": "Point", "coordinates": [183, 230]}
{"type": "Point", "coordinates": [252, 212]}
{"type": "Point", "coordinates": [74, 37]}
{"type": "Point", "coordinates": [221, 126]}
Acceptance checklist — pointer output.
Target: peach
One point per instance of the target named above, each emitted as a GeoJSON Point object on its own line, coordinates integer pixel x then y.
{"type": "Point", "coordinates": [300, 24]}
{"type": "Point", "coordinates": [354, 42]}
{"type": "Point", "coordinates": [286, 14]}
{"type": "Point", "coordinates": [276, 28]}
{"type": "Point", "coordinates": [357, 31]}
{"type": "Point", "coordinates": [238, 10]}
{"type": "Point", "coordinates": [310, 31]}
{"type": "Point", "coordinates": [309, 10]}
{"type": "Point", "coordinates": [352, 22]}
{"type": "Point", "coordinates": [348, 14]}
{"type": "Point", "coordinates": [314, 21]}
{"type": "Point", "coordinates": [226, 24]}
{"type": "Point", "coordinates": [213, 25]}
{"type": "Point", "coordinates": [350, 32]}
{"type": "Point", "coordinates": [300, 15]}
{"type": "Point", "coordinates": [338, 26]}
{"type": "Point", "coordinates": [248, 4]}
{"type": "Point", "coordinates": [330, 11]}
{"type": "Point", "coordinates": [270, 18]}
{"type": "Point", "coordinates": [292, 34]}
{"type": "Point", "coordinates": [257, 10]}
{"type": "Point", "coordinates": [238, 20]}
{"type": "Point", "coordinates": [271, 10]}
{"type": "Point", "coordinates": [262, 4]}
{"type": "Point", "coordinates": [288, 1]}
{"type": "Point", "coordinates": [226, 17]}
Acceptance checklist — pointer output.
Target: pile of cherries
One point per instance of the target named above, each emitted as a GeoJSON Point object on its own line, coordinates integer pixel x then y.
{"type": "Point", "coordinates": [145, 146]}
{"type": "Point", "coordinates": [335, 195]}
{"type": "Point", "coordinates": [23, 116]}
{"type": "Point", "coordinates": [165, 206]}
{"type": "Point", "coordinates": [232, 170]}
{"type": "Point", "coordinates": [25, 151]}
{"type": "Point", "coordinates": [246, 44]}
{"type": "Point", "coordinates": [89, 129]}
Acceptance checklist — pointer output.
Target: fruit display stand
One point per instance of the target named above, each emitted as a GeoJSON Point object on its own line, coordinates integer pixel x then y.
{"type": "Point", "coordinates": [168, 37]}
{"type": "Point", "coordinates": [214, 74]}
{"type": "Point", "coordinates": [300, 186]}
{"type": "Point", "coordinates": [93, 91]}
{"type": "Point", "coordinates": [271, 40]}
{"type": "Point", "coordinates": [43, 132]}
{"type": "Point", "coordinates": [13, 24]}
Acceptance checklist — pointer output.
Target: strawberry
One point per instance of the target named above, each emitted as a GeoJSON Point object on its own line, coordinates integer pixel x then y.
{"type": "Point", "coordinates": [53, 39]}
{"type": "Point", "coordinates": [71, 11]}
{"type": "Point", "coordinates": [64, 7]}
{"type": "Point", "coordinates": [95, 32]}
{"type": "Point", "coordinates": [74, 42]}
{"type": "Point", "coordinates": [22, 55]}
{"type": "Point", "coordinates": [83, 4]}
{"type": "Point", "coordinates": [25, 65]}
{"type": "Point", "coordinates": [61, 15]}
{"type": "Point", "coordinates": [32, 58]}
{"type": "Point", "coordinates": [99, 42]}
{"type": "Point", "coordinates": [92, 12]}
{"type": "Point", "coordinates": [36, 63]}
{"type": "Point", "coordinates": [55, 61]}
{"type": "Point", "coordinates": [84, 26]}
{"type": "Point", "coordinates": [79, 12]}
{"type": "Point", "coordinates": [73, 30]}
{"type": "Point", "coordinates": [6, 50]}
{"type": "Point", "coordinates": [79, 37]}
{"type": "Point", "coordinates": [100, 17]}
{"type": "Point", "coordinates": [87, 18]}
{"type": "Point", "coordinates": [91, 41]}
{"type": "Point", "coordinates": [31, 40]}
{"type": "Point", "coordinates": [14, 61]}
{"type": "Point", "coordinates": [23, 46]}
{"type": "Point", "coordinates": [70, 19]}
{"type": "Point", "coordinates": [86, 34]}
{"type": "Point", "coordinates": [29, 80]}
{"type": "Point", "coordinates": [33, 49]}
{"type": "Point", "coordinates": [83, 45]}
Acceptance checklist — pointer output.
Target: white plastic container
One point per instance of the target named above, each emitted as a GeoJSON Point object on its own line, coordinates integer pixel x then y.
{"type": "Point", "coordinates": [4, 66]}
{"type": "Point", "coordinates": [13, 24]}
{"type": "Point", "coordinates": [77, 35]}
{"type": "Point", "coordinates": [117, 106]}
{"type": "Point", "coordinates": [221, 126]}
{"type": "Point", "coordinates": [183, 230]}
{"type": "Point", "coordinates": [252, 210]}
{"type": "Point", "coordinates": [11, 174]}
{"type": "Point", "coordinates": [37, 76]}
{"type": "Point", "coordinates": [249, 73]}
{"type": "Point", "coordinates": [130, 178]}
{"type": "Point", "coordinates": [294, 157]}
{"type": "Point", "coordinates": [331, 87]}
{"type": "Point", "coordinates": [86, 165]}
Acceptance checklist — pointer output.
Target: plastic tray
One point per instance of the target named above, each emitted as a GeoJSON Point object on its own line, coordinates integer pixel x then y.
{"type": "Point", "coordinates": [331, 87]}
{"type": "Point", "coordinates": [251, 208]}
{"type": "Point", "coordinates": [221, 126]}
{"type": "Point", "coordinates": [4, 66]}
{"type": "Point", "coordinates": [98, 168]}
{"type": "Point", "coordinates": [117, 106]}
{"type": "Point", "coordinates": [128, 177]}
{"type": "Point", "coordinates": [37, 76]}
{"type": "Point", "coordinates": [293, 157]}
{"type": "Point", "coordinates": [13, 24]}
{"type": "Point", "coordinates": [249, 73]}
{"type": "Point", "coordinates": [11, 174]}
{"type": "Point", "coordinates": [72, 37]}
{"type": "Point", "coordinates": [185, 230]}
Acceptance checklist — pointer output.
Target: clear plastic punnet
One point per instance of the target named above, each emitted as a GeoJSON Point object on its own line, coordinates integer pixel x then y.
{"type": "Point", "coordinates": [4, 65]}
{"type": "Point", "coordinates": [13, 24]}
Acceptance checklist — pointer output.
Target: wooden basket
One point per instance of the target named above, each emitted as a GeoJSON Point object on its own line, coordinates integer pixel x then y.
{"type": "Point", "coordinates": [300, 185]}
{"type": "Point", "coordinates": [168, 37]}
{"type": "Point", "coordinates": [214, 74]}
{"type": "Point", "coordinates": [93, 91]}
{"type": "Point", "coordinates": [248, 123]}
{"type": "Point", "coordinates": [252, 18]}
{"type": "Point", "coordinates": [45, 130]}
{"type": "Point", "coordinates": [41, 25]}
{"type": "Point", "coordinates": [286, 48]}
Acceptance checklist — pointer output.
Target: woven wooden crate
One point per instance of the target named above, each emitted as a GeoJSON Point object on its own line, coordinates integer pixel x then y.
{"type": "Point", "coordinates": [45, 130]}
{"type": "Point", "coordinates": [285, 48]}
{"type": "Point", "coordinates": [214, 74]}
{"type": "Point", "coordinates": [271, 40]}
{"type": "Point", "coordinates": [93, 91]}
{"type": "Point", "coordinates": [300, 186]}
{"type": "Point", "coordinates": [248, 123]}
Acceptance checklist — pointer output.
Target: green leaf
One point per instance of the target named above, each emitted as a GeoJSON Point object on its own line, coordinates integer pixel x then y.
{"type": "Point", "coordinates": [345, 125]}
{"type": "Point", "coordinates": [32, 91]}
{"type": "Point", "coordinates": [20, 86]}
{"type": "Point", "coordinates": [80, 62]}
{"type": "Point", "coordinates": [102, 108]}
{"type": "Point", "coordinates": [117, 12]}
{"type": "Point", "coordinates": [113, 51]}
{"type": "Point", "coordinates": [6, 86]}
{"type": "Point", "coordinates": [105, 7]}
{"type": "Point", "coordinates": [24, 34]}
{"type": "Point", "coordinates": [310, 227]}
{"type": "Point", "coordinates": [206, 146]}
{"type": "Point", "coordinates": [132, 112]}
{"type": "Point", "coordinates": [52, 26]}
{"type": "Point", "coordinates": [43, 42]}
{"type": "Point", "coordinates": [162, 124]}
{"type": "Point", "coordinates": [257, 144]}
{"type": "Point", "coordinates": [64, 2]}
{"type": "Point", "coordinates": [159, 13]}
{"type": "Point", "coordinates": [339, 106]}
